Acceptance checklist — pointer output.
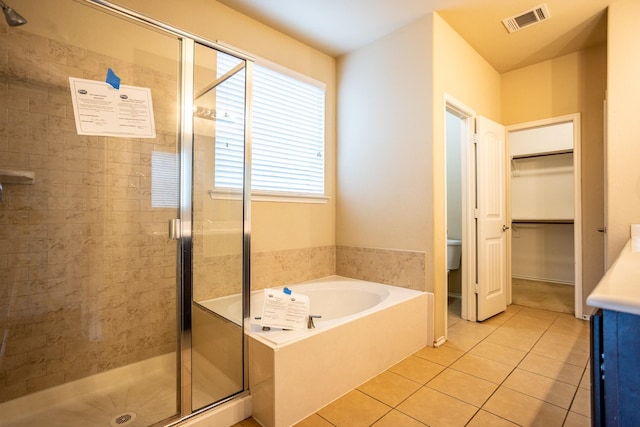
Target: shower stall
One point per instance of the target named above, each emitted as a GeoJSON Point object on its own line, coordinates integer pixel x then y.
{"type": "Point", "coordinates": [112, 227]}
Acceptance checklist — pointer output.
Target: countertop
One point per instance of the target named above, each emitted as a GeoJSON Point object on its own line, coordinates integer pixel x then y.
{"type": "Point", "coordinates": [619, 288]}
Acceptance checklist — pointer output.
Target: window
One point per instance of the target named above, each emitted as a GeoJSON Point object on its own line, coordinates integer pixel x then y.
{"type": "Point", "coordinates": [287, 134]}
{"type": "Point", "coordinates": [164, 180]}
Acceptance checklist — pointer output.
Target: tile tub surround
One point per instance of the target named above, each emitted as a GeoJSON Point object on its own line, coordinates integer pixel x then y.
{"type": "Point", "coordinates": [87, 273]}
{"type": "Point", "coordinates": [293, 381]}
{"type": "Point", "coordinates": [279, 268]}
{"type": "Point", "coordinates": [390, 266]}
{"type": "Point", "coordinates": [219, 276]}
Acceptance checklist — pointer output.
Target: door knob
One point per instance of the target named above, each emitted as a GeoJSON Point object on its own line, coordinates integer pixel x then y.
{"type": "Point", "coordinates": [504, 228]}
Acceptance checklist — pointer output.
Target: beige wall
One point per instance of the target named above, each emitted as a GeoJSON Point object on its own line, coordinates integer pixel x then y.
{"type": "Point", "coordinates": [541, 91]}
{"type": "Point", "coordinates": [460, 72]}
{"type": "Point", "coordinates": [384, 154]}
{"type": "Point", "coordinates": [623, 149]}
{"type": "Point", "coordinates": [574, 83]}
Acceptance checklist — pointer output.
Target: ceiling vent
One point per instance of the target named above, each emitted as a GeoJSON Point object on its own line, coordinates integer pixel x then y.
{"type": "Point", "coordinates": [537, 14]}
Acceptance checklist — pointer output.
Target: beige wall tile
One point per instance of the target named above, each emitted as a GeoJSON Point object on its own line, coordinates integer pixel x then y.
{"type": "Point", "coordinates": [75, 270]}
{"type": "Point", "coordinates": [393, 267]}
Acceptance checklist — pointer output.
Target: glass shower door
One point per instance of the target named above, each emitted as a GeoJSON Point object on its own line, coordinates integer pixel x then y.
{"type": "Point", "coordinates": [88, 327]}
{"type": "Point", "coordinates": [218, 226]}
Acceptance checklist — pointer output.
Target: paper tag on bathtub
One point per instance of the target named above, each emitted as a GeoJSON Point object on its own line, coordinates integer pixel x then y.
{"type": "Point", "coordinates": [286, 311]}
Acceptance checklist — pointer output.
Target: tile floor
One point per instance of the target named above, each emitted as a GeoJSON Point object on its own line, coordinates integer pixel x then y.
{"type": "Point", "coordinates": [523, 367]}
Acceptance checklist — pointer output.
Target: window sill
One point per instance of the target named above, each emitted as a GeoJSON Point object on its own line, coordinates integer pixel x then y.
{"type": "Point", "coordinates": [268, 196]}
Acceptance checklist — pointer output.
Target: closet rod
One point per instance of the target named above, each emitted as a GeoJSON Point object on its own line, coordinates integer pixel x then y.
{"type": "Point", "coordinates": [542, 221]}
{"type": "Point", "coordinates": [528, 156]}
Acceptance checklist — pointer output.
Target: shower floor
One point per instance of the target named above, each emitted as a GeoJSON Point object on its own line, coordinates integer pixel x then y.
{"type": "Point", "coordinates": [148, 389]}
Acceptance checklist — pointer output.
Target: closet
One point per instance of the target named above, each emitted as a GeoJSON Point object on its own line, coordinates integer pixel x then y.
{"type": "Point", "coordinates": [542, 215]}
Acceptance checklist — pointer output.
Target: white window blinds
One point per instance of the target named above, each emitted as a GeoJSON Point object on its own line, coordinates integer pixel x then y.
{"type": "Point", "coordinates": [164, 180]}
{"type": "Point", "coordinates": [287, 135]}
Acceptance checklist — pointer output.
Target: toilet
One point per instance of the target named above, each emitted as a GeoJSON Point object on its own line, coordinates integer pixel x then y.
{"type": "Point", "coordinates": [454, 253]}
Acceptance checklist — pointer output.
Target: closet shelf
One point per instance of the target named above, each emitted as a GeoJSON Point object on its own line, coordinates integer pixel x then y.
{"type": "Point", "coordinates": [542, 221]}
{"type": "Point", "coordinates": [11, 176]}
{"type": "Point", "coordinates": [544, 154]}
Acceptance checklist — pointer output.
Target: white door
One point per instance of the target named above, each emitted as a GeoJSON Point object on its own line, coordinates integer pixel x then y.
{"type": "Point", "coordinates": [492, 227]}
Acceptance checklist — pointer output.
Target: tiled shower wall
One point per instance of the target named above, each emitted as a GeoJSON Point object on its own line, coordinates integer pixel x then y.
{"type": "Point", "coordinates": [87, 272]}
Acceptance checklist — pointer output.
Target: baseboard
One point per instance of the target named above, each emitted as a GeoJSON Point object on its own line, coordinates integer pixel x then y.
{"type": "Point", "coordinates": [542, 279]}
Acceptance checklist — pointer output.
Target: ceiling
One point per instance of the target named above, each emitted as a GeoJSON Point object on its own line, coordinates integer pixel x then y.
{"type": "Point", "coordinates": [337, 27]}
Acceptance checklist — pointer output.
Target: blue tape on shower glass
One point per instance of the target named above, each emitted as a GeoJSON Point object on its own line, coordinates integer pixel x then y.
{"type": "Point", "coordinates": [113, 79]}
{"type": "Point", "coordinates": [287, 291]}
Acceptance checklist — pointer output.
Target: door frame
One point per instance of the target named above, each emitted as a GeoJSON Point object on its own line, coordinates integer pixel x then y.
{"type": "Point", "coordinates": [577, 199]}
{"type": "Point", "coordinates": [468, 169]}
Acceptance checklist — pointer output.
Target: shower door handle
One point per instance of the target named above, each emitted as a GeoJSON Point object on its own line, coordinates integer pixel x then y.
{"type": "Point", "coordinates": [174, 229]}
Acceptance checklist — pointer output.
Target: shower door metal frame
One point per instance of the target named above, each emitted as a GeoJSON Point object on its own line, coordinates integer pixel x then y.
{"type": "Point", "coordinates": [185, 242]}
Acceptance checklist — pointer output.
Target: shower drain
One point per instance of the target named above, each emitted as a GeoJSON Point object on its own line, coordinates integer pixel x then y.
{"type": "Point", "coordinates": [123, 419]}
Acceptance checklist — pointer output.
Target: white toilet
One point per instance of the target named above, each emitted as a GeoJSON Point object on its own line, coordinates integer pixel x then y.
{"type": "Point", "coordinates": [454, 253]}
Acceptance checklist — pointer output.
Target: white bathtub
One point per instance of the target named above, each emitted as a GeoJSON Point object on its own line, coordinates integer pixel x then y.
{"type": "Point", "coordinates": [365, 328]}
{"type": "Point", "coordinates": [336, 299]}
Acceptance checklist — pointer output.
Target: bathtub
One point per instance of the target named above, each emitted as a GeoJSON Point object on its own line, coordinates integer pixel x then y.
{"type": "Point", "coordinates": [365, 328]}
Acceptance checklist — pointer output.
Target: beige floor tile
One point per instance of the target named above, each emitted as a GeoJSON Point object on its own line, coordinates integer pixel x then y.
{"type": "Point", "coordinates": [443, 355]}
{"type": "Point", "coordinates": [481, 367]}
{"type": "Point", "coordinates": [417, 369]}
{"type": "Point", "coordinates": [398, 419]}
{"type": "Point", "coordinates": [524, 410]}
{"type": "Point", "coordinates": [576, 420]}
{"type": "Point", "coordinates": [569, 325]}
{"type": "Point", "coordinates": [534, 317]}
{"type": "Point", "coordinates": [539, 314]}
{"type": "Point", "coordinates": [585, 382]}
{"type": "Point", "coordinates": [389, 388]}
{"type": "Point", "coordinates": [314, 420]}
{"type": "Point", "coordinates": [567, 353]}
{"type": "Point", "coordinates": [541, 387]}
{"type": "Point", "coordinates": [518, 339]}
{"type": "Point", "coordinates": [565, 340]}
{"type": "Point", "coordinates": [582, 403]}
{"type": "Point", "coordinates": [499, 319]}
{"type": "Point", "coordinates": [499, 353]}
{"type": "Point", "coordinates": [251, 422]}
{"type": "Point", "coordinates": [437, 409]}
{"type": "Point", "coordinates": [461, 340]}
{"type": "Point", "coordinates": [486, 419]}
{"type": "Point", "coordinates": [354, 409]}
{"type": "Point", "coordinates": [565, 372]}
{"type": "Point", "coordinates": [472, 329]}
{"type": "Point", "coordinates": [465, 387]}
{"type": "Point", "coordinates": [514, 309]}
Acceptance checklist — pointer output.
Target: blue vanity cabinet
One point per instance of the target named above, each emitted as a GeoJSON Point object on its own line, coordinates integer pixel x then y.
{"type": "Point", "coordinates": [615, 369]}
